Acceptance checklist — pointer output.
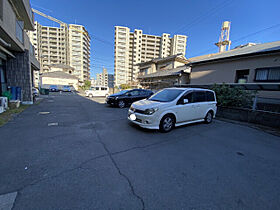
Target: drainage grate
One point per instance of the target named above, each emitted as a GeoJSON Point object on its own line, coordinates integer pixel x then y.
{"type": "Point", "coordinates": [53, 124]}
{"type": "Point", "coordinates": [44, 113]}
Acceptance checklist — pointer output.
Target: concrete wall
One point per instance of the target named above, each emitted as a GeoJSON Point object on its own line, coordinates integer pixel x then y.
{"type": "Point", "coordinates": [246, 115]}
{"type": "Point", "coordinates": [225, 71]}
{"type": "Point", "coordinates": [8, 27]}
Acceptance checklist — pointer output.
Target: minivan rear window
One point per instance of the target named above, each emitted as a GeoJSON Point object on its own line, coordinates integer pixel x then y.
{"type": "Point", "coordinates": [210, 96]}
{"type": "Point", "coordinates": [199, 96]}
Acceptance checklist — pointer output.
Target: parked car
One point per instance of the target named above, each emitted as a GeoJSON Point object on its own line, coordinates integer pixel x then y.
{"type": "Point", "coordinates": [53, 88]}
{"type": "Point", "coordinates": [35, 92]}
{"type": "Point", "coordinates": [127, 97]}
{"type": "Point", "coordinates": [172, 107]}
{"type": "Point", "coordinates": [66, 88]}
{"type": "Point", "coordinates": [97, 91]}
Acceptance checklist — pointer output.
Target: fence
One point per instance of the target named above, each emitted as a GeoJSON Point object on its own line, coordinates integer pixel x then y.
{"type": "Point", "coordinates": [266, 104]}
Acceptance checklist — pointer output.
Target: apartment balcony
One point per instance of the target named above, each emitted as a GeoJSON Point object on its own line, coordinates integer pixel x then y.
{"type": "Point", "coordinates": [25, 12]}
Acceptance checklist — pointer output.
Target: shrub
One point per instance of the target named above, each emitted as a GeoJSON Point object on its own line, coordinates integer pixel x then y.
{"type": "Point", "coordinates": [125, 86]}
{"type": "Point", "coordinates": [235, 97]}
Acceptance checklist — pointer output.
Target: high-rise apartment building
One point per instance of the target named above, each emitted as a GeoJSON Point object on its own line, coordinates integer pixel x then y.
{"type": "Point", "coordinates": [50, 45]}
{"type": "Point", "coordinates": [135, 47]}
{"type": "Point", "coordinates": [79, 51]}
{"type": "Point", "coordinates": [62, 45]}
{"type": "Point", "coordinates": [105, 79]}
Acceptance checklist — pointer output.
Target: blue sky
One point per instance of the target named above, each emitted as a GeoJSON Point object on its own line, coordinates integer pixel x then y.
{"type": "Point", "coordinates": [251, 21]}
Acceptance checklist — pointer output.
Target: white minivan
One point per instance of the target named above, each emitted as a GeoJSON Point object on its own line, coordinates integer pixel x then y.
{"type": "Point", "coordinates": [172, 107]}
{"type": "Point", "coordinates": [97, 91]}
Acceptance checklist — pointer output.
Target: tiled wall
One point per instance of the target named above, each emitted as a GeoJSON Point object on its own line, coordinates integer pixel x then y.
{"type": "Point", "coordinates": [19, 74]}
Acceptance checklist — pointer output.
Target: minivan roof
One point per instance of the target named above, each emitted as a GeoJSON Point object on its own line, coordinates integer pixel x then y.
{"type": "Point", "coordinates": [182, 88]}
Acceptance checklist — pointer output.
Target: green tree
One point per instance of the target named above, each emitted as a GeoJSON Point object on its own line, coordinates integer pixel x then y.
{"type": "Point", "coordinates": [87, 85]}
{"type": "Point", "coordinates": [125, 86]}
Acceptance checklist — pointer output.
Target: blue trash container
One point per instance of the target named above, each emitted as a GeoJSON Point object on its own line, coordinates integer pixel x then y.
{"type": "Point", "coordinates": [18, 96]}
{"type": "Point", "coordinates": [14, 93]}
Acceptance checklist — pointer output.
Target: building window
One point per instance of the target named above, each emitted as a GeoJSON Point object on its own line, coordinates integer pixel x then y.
{"type": "Point", "coordinates": [3, 81]}
{"type": "Point", "coordinates": [1, 9]}
{"type": "Point", "coordinates": [268, 74]}
{"type": "Point", "coordinates": [242, 76]}
{"type": "Point", "coordinates": [19, 30]}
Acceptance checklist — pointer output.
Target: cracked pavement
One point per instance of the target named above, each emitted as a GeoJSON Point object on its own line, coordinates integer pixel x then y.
{"type": "Point", "coordinates": [95, 159]}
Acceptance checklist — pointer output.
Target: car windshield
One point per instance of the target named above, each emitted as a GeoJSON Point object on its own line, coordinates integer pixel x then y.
{"type": "Point", "coordinates": [122, 92]}
{"type": "Point", "coordinates": [166, 95]}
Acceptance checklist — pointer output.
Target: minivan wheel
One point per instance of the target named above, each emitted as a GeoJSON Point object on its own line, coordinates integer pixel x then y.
{"type": "Point", "coordinates": [90, 95]}
{"type": "Point", "coordinates": [167, 123]}
{"type": "Point", "coordinates": [208, 118]}
{"type": "Point", "coordinates": [121, 104]}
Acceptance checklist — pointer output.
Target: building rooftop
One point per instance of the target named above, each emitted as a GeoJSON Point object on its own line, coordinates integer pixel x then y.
{"type": "Point", "coordinates": [62, 66]}
{"type": "Point", "coordinates": [164, 73]}
{"type": "Point", "coordinates": [59, 74]}
{"type": "Point", "coordinates": [179, 57]}
{"type": "Point", "coordinates": [242, 50]}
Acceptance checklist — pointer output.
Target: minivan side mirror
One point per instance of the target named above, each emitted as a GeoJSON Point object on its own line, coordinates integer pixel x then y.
{"type": "Point", "coordinates": [186, 101]}
{"type": "Point", "coordinates": [129, 94]}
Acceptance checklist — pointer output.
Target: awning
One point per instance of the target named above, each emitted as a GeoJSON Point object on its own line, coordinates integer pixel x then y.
{"type": "Point", "coordinates": [7, 52]}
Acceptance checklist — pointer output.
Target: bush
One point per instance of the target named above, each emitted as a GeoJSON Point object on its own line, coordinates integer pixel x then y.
{"type": "Point", "coordinates": [125, 86]}
{"type": "Point", "coordinates": [86, 85]}
{"type": "Point", "coordinates": [234, 97]}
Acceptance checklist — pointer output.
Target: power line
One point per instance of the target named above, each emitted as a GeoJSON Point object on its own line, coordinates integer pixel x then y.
{"type": "Point", "coordinates": [257, 32]}
{"type": "Point", "coordinates": [209, 13]}
{"type": "Point", "coordinates": [101, 40]}
{"type": "Point", "coordinates": [241, 38]}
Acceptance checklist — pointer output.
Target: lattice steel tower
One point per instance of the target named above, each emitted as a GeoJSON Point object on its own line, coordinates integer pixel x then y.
{"type": "Point", "coordinates": [224, 42]}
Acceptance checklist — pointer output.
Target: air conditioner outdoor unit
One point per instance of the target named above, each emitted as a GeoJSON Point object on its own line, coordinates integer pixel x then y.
{"type": "Point", "coordinates": [3, 104]}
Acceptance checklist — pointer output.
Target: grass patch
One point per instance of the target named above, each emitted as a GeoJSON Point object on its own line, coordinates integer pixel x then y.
{"type": "Point", "coordinates": [10, 113]}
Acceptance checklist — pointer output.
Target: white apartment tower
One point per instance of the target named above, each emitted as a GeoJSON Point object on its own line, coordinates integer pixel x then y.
{"type": "Point", "coordinates": [102, 78]}
{"type": "Point", "coordinates": [135, 47]}
{"type": "Point", "coordinates": [62, 45]}
{"type": "Point", "coordinates": [79, 51]}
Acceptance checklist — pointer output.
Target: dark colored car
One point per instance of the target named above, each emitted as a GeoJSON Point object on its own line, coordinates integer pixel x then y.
{"type": "Point", "coordinates": [66, 88]}
{"type": "Point", "coordinates": [53, 88]}
{"type": "Point", "coordinates": [127, 97]}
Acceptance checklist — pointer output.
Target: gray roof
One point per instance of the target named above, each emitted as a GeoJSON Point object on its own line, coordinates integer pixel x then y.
{"type": "Point", "coordinates": [241, 51]}
{"type": "Point", "coordinates": [171, 57]}
{"type": "Point", "coordinates": [59, 74]}
{"type": "Point", "coordinates": [164, 73]}
{"type": "Point", "coordinates": [62, 66]}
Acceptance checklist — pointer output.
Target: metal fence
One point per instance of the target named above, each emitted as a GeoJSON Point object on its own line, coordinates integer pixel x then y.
{"type": "Point", "coordinates": [266, 104]}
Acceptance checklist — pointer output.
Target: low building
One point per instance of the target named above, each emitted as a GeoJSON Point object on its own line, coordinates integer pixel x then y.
{"type": "Point", "coordinates": [17, 59]}
{"type": "Point", "coordinates": [62, 67]}
{"type": "Point", "coordinates": [159, 73]}
{"type": "Point", "coordinates": [252, 63]}
{"type": "Point", "coordinates": [59, 78]}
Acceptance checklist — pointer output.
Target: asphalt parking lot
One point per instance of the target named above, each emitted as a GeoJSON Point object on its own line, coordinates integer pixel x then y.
{"type": "Point", "coordinates": [72, 152]}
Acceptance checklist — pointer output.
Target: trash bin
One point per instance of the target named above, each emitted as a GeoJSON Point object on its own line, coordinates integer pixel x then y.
{"type": "Point", "coordinates": [14, 93]}
{"type": "Point", "coordinates": [18, 93]}
{"type": "Point", "coordinates": [47, 91]}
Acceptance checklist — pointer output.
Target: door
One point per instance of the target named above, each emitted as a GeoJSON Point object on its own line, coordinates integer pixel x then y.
{"type": "Point", "coordinates": [185, 111]}
{"type": "Point", "coordinates": [143, 94]}
{"type": "Point", "coordinates": [103, 91]}
{"type": "Point", "coordinates": [135, 96]}
{"type": "Point", "coordinates": [97, 91]}
{"type": "Point", "coordinates": [200, 103]}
